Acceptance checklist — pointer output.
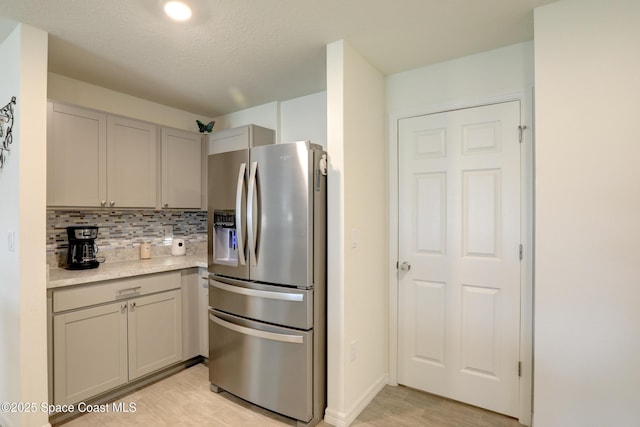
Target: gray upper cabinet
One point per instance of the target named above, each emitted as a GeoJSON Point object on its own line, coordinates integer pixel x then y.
{"type": "Point", "coordinates": [131, 163]}
{"type": "Point", "coordinates": [240, 138]}
{"type": "Point", "coordinates": [76, 156]}
{"type": "Point", "coordinates": [181, 169]}
{"type": "Point", "coordinates": [97, 160]}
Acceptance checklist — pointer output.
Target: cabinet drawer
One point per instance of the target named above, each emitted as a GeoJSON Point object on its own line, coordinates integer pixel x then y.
{"type": "Point", "coordinates": [113, 290]}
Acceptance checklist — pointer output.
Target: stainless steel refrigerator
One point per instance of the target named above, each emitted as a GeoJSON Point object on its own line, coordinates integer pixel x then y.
{"type": "Point", "coordinates": [267, 277]}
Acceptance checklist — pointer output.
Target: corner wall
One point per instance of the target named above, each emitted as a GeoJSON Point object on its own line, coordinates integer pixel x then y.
{"type": "Point", "coordinates": [357, 244]}
{"type": "Point", "coordinates": [23, 331]}
{"type": "Point", "coordinates": [587, 321]}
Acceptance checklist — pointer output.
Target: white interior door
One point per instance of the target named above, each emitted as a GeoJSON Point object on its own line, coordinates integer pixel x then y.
{"type": "Point", "coordinates": [459, 240]}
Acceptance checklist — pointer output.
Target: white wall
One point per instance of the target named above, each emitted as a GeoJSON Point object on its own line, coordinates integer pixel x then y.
{"type": "Point", "coordinates": [10, 386]}
{"type": "Point", "coordinates": [304, 119]}
{"type": "Point", "coordinates": [462, 81]}
{"type": "Point", "coordinates": [587, 317]}
{"type": "Point", "coordinates": [266, 115]}
{"type": "Point", "coordinates": [298, 119]}
{"type": "Point", "coordinates": [76, 92]}
{"type": "Point", "coordinates": [23, 334]}
{"type": "Point", "coordinates": [357, 243]}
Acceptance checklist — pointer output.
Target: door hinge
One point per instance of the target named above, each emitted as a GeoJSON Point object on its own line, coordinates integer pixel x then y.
{"type": "Point", "coordinates": [521, 129]}
{"type": "Point", "coordinates": [519, 369]}
{"type": "Point", "coordinates": [520, 252]}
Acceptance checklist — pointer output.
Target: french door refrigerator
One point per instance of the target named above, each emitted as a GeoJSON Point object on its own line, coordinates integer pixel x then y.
{"type": "Point", "coordinates": [267, 277]}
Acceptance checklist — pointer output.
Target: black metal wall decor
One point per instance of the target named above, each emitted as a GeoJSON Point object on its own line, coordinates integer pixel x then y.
{"type": "Point", "coordinates": [208, 128]}
{"type": "Point", "coordinates": [6, 125]}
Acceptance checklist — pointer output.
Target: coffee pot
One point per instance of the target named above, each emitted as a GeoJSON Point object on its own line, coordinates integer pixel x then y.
{"type": "Point", "coordinates": [82, 251]}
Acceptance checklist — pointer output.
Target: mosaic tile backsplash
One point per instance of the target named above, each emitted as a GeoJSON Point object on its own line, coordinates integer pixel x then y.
{"type": "Point", "coordinates": [121, 232]}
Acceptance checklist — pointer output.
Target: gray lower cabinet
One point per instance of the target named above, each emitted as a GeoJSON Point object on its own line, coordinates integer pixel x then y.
{"type": "Point", "coordinates": [203, 311]}
{"type": "Point", "coordinates": [195, 308]}
{"type": "Point", "coordinates": [100, 347]}
{"type": "Point", "coordinates": [154, 332]}
{"type": "Point", "coordinates": [90, 352]}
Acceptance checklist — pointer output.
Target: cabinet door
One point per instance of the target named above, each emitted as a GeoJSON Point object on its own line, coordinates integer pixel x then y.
{"type": "Point", "coordinates": [229, 140]}
{"type": "Point", "coordinates": [203, 311]}
{"type": "Point", "coordinates": [90, 352]}
{"type": "Point", "coordinates": [181, 169]}
{"type": "Point", "coordinates": [155, 332]}
{"type": "Point", "coordinates": [240, 138]}
{"type": "Point", "coordinates": [131, 163]}
{"type": "Point", "coordinates": [190, 320]}
{"type": "Point", "coordinates": [76, 156]}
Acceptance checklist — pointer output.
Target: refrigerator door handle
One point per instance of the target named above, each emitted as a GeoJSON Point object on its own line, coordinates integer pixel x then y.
{"type": "Point", "coordinates": [239, 237]}
{"type": "Point", "coordinates": [251, 194]}
{"type": "Point", "coordinates": [284, 296]}
{"type": "Point", "coordinates": [295, 339]}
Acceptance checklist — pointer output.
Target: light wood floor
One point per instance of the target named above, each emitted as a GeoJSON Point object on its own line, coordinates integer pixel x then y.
{"type": "Point", "coordinates": [184, 399]}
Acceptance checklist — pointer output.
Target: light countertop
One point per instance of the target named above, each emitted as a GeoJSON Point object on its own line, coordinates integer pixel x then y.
{"type": "Point", "coordinates": [59, 277]}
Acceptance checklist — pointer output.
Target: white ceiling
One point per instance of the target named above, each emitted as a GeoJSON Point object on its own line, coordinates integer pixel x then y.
{"type": "Point", "coordinates": [235, 54]}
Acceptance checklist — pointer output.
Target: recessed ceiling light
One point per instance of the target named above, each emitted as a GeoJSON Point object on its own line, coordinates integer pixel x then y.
{"type": "Point", "coordinates": [177, 10]}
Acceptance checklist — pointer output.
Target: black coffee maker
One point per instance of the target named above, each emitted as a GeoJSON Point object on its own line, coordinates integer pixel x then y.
{"type": "Point", "coordinates": [82, 248]}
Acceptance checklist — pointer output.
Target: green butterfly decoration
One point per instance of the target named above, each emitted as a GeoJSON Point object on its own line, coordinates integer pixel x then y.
{"type": "Point", "coordinates": [205, 128]}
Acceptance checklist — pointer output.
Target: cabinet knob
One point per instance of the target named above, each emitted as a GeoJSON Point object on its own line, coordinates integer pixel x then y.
{"type": "Point", "coordinates": [133, 304]}
{"type": "Point", "coordinates": [166, 205]}
{"type": "Point", "coordinates": [103, 203]}
{"type": "Point", "coordinates": [112, 203]}
{"type": "Point", "coordinates": [123, 307]}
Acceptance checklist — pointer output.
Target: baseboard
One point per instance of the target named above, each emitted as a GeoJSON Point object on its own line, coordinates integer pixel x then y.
{"type": "Point", "coordinates": [344, 419]}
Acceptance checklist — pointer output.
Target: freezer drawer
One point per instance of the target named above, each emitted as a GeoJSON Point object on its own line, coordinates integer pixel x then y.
{"type": "Point", "coordinates": [267, 365]}
{"type": "Point", "coordinates": [267, 303]}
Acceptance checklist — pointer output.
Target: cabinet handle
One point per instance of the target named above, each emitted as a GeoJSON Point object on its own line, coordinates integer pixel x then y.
{"type": "Point", "coordinates": [129, 290]}
{"type": "Point", "coordinates": [112, 203]}
{"type": "Point", "coordinates": [166, 205]}
{"type": "Point", "coordinates": [133, 304]}
{"type": "Point", "coordinates": [103, 203]}
{"type": "Point", "coordinates": [123, 307]}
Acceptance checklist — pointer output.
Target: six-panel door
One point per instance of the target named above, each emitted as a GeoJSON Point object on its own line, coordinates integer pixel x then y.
{"type": "Point", "coordinates": [459, 293]}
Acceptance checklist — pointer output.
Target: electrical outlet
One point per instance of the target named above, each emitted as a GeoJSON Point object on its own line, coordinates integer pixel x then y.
{"type": "Point", "coordinates": [168, 234]}
{"type": "Point", "coordinates": [354, 350]}
{"type": "Point", "coordinates": [11, 241]}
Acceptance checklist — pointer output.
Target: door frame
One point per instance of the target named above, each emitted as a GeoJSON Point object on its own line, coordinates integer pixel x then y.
{"type": "Point", "coordinates": [526, 233]}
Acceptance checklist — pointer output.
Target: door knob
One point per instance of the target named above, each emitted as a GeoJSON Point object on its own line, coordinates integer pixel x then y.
{"type": "Point", "coordinates": [405, 266]}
